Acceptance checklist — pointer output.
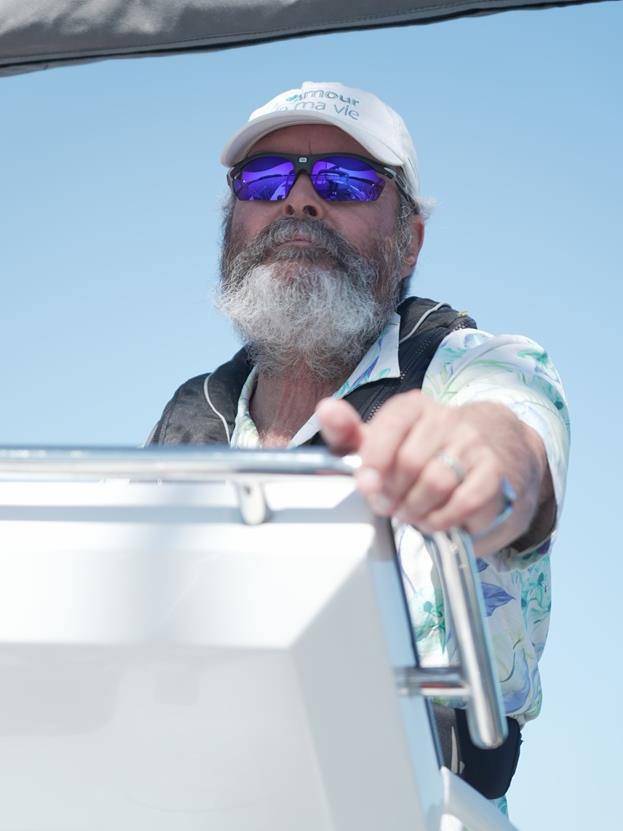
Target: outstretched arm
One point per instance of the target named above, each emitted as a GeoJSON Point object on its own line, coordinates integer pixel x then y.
{"type": "Point", "coordinates": [436, 466]}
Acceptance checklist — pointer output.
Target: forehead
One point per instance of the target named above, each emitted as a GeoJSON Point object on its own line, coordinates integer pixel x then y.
{"type": "Point", "coordinates": [310, 139]}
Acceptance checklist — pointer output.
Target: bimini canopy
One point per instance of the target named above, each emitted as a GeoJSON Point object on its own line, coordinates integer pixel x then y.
{"type": "Point", "coordinates": [37, 34]}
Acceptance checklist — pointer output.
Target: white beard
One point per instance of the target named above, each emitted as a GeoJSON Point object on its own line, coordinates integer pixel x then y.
{"type": "Point", "coordinates": [298, 311]}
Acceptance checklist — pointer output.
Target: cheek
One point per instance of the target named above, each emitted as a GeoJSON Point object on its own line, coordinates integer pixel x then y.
{"type": "Point", "coordinates": [364, 229]}
{"type": "Point", "coordinates": [379, 219]}
{"type": "Point", "coordinates": [249, 219]}
{"type": "Point", "coordinates": [239, 222]}
{"type": "Point", "coordinates": [387, 213]}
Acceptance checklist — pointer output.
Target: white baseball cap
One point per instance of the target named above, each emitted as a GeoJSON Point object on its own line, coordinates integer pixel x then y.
{"type": "Point", "coordinates": [361, 114]}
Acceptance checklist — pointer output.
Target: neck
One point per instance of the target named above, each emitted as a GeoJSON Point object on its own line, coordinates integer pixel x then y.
{"type": "Point", "coordinates": [281, 405]}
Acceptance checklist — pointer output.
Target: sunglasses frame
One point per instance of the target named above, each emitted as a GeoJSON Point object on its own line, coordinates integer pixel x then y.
{"type": "Point", "coordinates": [304, 164]}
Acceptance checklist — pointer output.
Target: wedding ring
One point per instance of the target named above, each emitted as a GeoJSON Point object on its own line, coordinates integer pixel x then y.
{"type": "Point", "coordinates": [455, 466]}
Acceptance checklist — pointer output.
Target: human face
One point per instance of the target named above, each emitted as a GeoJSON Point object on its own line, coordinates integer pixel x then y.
{"type": "Point", "coordinates": [308, 282]}
{"type": "Point", "coordinates": [361, 224]}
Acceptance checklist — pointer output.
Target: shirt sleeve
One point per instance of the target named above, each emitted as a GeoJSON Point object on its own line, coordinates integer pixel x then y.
{"type": "Point", "coordinates": [472, 365]}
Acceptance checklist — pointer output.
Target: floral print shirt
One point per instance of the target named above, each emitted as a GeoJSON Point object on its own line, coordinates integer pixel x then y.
{"type": "Point", "coordinates": [472, 365]}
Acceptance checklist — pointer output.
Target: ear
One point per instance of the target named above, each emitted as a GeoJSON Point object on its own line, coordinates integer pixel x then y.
{"type": "Point", "coordinates": [412, 253]}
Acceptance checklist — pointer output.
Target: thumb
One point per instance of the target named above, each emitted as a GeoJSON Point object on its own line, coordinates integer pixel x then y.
{"type": "Point", "coordinates": [340, 425]}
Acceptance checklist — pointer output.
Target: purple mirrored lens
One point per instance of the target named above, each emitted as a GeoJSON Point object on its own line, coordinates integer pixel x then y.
{"type": "Point", "coordinates": [345, 179]}
{"type": "Point", "coordinates": [335, 178]}
{"type": "Point", "coordinates": [268, 178]}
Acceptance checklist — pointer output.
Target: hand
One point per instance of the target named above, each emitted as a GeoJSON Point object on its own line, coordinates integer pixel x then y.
{"type": "Point", "coordinates": [436, 466]}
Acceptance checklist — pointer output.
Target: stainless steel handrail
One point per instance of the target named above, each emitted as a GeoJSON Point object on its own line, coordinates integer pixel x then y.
{"type": "Point", "coordinates": [454, 557]}
{"type": "Point", "coordinates": [473, 679]}
{"type": "Point", "coordinates": [188, 463]}
{"type": "Point", "coordinates": [169, 463]}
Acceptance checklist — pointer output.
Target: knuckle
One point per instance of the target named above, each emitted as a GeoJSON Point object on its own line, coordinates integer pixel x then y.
{"type": "Point", "coordinates": [436, 484]}
{"type": "Point", "coordinates": [384, 431]}
{"type": "Point", "coordinates": [470, 436]}
{"type": "Point", "coordinates": [468, 503]}
{"type": "Point", "coordinates": [408, 462]}
{"type": "Point", "coordinates": [413, 397]}
{"type": "Point", "coordinates": [401, 403]}
{"type": "Point", "coordinates": [490, 458]}
{"type": "Point", "coordinates": [494, 475]}
{"type": "Point", "coordinates": [387, 418]}
{"type": "Point", "coordinates": [377, 449]}
{"type": "Point", "coordinates": [438, 521]}
{"type": "Point", "coordinates": [449, 414]}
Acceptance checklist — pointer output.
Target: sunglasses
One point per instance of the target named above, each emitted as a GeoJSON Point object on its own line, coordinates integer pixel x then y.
{"type": "Point", "coordinates": [336, 177]}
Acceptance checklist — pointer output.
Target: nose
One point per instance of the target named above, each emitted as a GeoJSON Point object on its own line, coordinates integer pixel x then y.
{"type": "Point", "coordinates": [303, 199]}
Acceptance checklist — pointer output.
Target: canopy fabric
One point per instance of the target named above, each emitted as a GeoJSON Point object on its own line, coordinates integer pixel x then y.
{"type": "Point", "coordinates": [37, 34]}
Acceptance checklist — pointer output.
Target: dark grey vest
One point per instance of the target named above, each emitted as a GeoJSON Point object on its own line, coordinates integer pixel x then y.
{"type": "Point", "coordinates": [203, 410]}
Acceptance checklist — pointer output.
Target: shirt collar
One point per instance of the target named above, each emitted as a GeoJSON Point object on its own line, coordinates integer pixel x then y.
{"type": "Point", "coordinates": [380, 361]}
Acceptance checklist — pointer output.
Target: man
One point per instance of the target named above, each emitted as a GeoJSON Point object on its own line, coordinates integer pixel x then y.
{"type": "Point", "coordinates": [455, 427]}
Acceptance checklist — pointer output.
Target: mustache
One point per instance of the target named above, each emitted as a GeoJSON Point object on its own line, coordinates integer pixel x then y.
{"type": "Point", "coordinates": [324, 242]}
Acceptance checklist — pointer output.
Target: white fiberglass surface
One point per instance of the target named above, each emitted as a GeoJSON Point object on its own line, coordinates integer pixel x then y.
{"type": "Point", "coordinates": [163, 666]}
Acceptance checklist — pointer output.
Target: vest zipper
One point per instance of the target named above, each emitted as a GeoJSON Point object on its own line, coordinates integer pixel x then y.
{"type": "Point", "coordinates": [382, 399]}
{"type": "Point", "coordinates": [403, 374]}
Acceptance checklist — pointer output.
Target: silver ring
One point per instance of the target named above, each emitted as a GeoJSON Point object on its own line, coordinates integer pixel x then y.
{"type": "Point", "coordinates": [509, 496]}
{"type": "Point", "coordinates": [455, 466]}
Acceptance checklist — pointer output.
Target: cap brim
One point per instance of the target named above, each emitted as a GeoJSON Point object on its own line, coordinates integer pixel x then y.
{"type": "Point", "coordinates": [242, 141]}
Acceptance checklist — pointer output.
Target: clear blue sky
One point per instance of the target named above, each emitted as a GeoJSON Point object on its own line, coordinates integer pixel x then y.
{"type": "Point", "coordinates": [109, 231]}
